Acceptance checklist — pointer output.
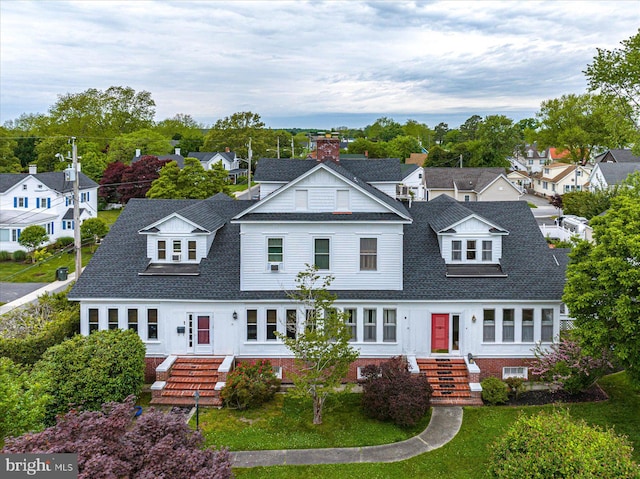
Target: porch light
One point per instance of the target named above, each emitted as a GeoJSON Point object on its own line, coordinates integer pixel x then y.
{"type": "Point", "coordinates": [235, 315]}
{"type": "Point", "coordinates": [473, 318]}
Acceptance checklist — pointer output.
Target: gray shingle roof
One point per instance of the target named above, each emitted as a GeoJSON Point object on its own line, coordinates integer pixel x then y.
{"type": "Point", "coordinates": [52, 179]}
{"type": "Point", "coordinates": [615, 173]}
{"type": "Point", "coordinates": [466, 179]}
{"type": "Point", "coordinates": [618, 155]}
{"type": "Point", "coordinates": [371, 171]}
{"type": "Point", "coordinates": [532, 272]}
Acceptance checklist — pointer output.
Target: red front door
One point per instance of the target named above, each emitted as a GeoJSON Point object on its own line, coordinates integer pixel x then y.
{"type": "Point", "coordinates": [439, 333]}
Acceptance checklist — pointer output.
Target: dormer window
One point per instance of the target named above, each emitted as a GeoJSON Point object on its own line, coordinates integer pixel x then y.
{"type": "Point", "coordinates": [487, 248]}
{"type": "Point", "coordinates": [191, 250]}
{"type": "Point", "coordinates": [456, 250]}
{"type": "Point", "coordinates": [162, 249]}
{"type": "Point", "coordinates": [530, 154]}
{"type": "Point", "coordinates": [471, 250]}
{"type": "Point", "coordinates": [176, 255]}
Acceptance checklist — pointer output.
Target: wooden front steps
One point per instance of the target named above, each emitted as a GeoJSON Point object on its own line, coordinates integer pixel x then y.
{"type": "Point", "coordinates": [188, 375]}
{"type": "Point", "coordinates": [449, 380]}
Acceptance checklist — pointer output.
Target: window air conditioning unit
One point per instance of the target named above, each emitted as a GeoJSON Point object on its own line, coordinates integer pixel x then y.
{"type": "Point", "coordinates": [176, 257]}
{"type": "Point", "coordinates": [274, 267]}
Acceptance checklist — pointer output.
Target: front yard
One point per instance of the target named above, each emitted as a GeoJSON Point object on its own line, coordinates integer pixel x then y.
{"type": "Point", "coordinates": [285, 424]}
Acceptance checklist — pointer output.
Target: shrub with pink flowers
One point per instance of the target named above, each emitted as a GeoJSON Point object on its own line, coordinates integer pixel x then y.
{"type": "Point", "coordinates": [250, 385]}
{"type": "Point", "coordinates": [565, 365]}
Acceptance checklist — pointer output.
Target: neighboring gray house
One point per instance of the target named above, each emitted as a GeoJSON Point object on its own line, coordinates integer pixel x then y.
{"type": "Point", "coordinates": [619, 155]}
{"type": "Point", "coordinates": [470, 184]}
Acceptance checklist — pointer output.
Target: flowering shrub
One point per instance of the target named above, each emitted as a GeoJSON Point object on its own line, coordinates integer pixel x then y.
{"type": "Point", "coordinates": [110, 443]}
{"type": "Point", "coordinates": [250, 385]}
{"type": "Point", "coordinates": [566, 366]}
{"type": "Point", "coordinates": [391, 392]}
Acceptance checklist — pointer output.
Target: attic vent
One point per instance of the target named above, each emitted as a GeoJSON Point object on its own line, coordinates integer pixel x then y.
{"type": "Point", "coordinates": [176, 257]}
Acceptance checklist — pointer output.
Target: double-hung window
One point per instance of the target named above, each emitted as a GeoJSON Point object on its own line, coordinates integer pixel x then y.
{"type": "Point", "coordinates": [321, 253]}
{"type": "Point", "coordinates": [471, 249]}
{"type": "Point", "coordinates": [252, 325]}
{"type": "Point", "coordinates": [489, 326]}
{"type": "Point", "coordinates": [546, 333]}
{"type": "Point", "coordinates": [191, 245]}
{"type": "Point", "coordinates": [162, 249]}
{"type": "Point", "coordinates": [113, 318]}
{"type": "Point", "coordinates": [508, 325]}
{"type": "Point", "coordinates": [272, 324]}
{"type": "Point", "coordinates": [486, 250]}
{"type": "Point", "coordinates": [370, 325]}
{"type": "Point", "coordinates": [94, 324]}
{"type": "Point", "coordinates": [152, 323]}
{"type": "Point", "coordinates": [351, 320]}
{"type": "Point", "coordinates": [292, 323]}
{"type": "Point", "coordinates": [274, 246]}
{"type": "Point", "coordinates": [368, 254]}
{"type": "Point", "coordinates": [389, 325]}
{"type": "Point", "coordinates": [527, 325]}
{"type": "Point", "coordinates": [177, 248]}
{"type": "Point", "coordinates": [456, 250]}
{"type": "Point", "coordinates": [132, 319]}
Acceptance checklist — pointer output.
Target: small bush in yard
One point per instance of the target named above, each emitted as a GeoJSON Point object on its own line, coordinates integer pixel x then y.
{"type": "Point", "coordinates": [250, 385]}
{"type": "Point", "coordinates": [5, 255]}
{"type": "Point", "coordinates": [19, 255]}
{"type": "Point", "coordinates": [554, 445]}
{"type": "Point", "coordinates": [516, 385]}
{"type": "Point", "coordinates": [110, 443]}
{"type": "Point", "coordinates": [390, 392]}
{"type": "Point", "coordinates": [494, 391]}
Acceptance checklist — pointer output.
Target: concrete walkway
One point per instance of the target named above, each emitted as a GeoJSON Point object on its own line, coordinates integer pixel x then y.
{"type": "Point", "coordinates": [444, 425]}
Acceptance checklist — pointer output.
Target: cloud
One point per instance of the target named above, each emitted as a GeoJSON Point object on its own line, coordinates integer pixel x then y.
{"type": "Point", "coordinates": [300, 59]}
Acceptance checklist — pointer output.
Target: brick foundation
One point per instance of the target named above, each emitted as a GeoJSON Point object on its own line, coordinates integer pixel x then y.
{"type": "Point", "coordinates": [150, 365]}
{"type": "Point", "coordinates": [493, 366]}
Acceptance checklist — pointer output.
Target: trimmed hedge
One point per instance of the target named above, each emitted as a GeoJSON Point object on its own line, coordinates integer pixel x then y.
{"type": "Point", "coordinates": [494, 391]}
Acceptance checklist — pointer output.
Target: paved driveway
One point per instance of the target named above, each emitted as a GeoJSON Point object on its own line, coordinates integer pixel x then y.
{"type": "Point", "coordinates": [544, 208]}
{"type": "Point", "coordinates": [12, 291]}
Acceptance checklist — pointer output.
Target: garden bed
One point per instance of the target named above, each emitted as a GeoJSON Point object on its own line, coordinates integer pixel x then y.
{"type": "Point", "coordinates": [548, 396]}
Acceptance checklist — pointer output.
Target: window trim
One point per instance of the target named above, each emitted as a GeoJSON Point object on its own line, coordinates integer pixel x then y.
{"type": "Point", "coordinates": [322, 254]}
{"type": "Point", "coordinates": [275, 257]}
{"type": "Point", "coordinates": [388, 326]}
{"type": "Point", "coordinates": [152, 324]}
{"type": "Point", "coordinates": [271, 324]}
{"type": "Point", "coordinates": [370, 326]}
{"type": "Point", "coordinates": [251, 316]}
{"type": "Point", "coordinates": [488, 325]}
{"type": "Point", "coordinates": [369, 255]}
{"type": "Point", "coordinates": [113, 318]}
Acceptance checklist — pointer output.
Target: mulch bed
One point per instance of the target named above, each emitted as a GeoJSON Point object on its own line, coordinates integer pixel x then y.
{"type": "Point", "coordinates": [542, 397]}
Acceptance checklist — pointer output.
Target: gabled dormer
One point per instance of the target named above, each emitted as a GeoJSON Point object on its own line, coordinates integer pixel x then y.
{"type": "Point", "coordinates": [178, 243]}
{"type": "Point", "coordinates": [470, 245]}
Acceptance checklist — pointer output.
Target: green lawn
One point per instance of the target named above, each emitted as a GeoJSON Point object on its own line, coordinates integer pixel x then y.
{"type": "Point", "coordinates": [286, 423]}
{"type": "Point", "coordinates": [466, 455]}
{"type": "Point", "coordinates": [109, 216]}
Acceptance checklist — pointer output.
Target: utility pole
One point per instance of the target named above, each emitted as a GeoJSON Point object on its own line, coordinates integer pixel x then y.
{"type": "Point", "coordinates": [278, 150]}
{"type": "Point", "coordinates": [292, 153]}
{"type": "Point", "coordinates": [76, 208]}
{"type": "Point", "coordinates": [250, 155]}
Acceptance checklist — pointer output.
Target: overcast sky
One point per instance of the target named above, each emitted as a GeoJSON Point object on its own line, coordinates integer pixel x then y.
{"type": "Point", "coordinates": [308, 64]}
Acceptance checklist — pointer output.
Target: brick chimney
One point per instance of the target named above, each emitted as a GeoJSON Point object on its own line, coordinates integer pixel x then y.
{"type": "Point", "coordinates": [226, 149]}
{"type": "Point", "coordinates": [328, 148]}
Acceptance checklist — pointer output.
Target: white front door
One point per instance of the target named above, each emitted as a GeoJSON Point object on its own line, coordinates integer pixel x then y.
{"type": "Point", "coordinates": [200, 334]}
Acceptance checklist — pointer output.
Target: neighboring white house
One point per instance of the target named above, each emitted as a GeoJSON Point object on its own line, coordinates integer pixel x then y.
{"type": "Point", "coordinates": [561, 178]}
{"type": "Point", "coordinates": [44, 199]}
{"type": "Point", "coordinates": [606, 175]}
{"type": "Point", "coordinates": [439, 279]}
{"type": "Point", "coordinates": [471, 184]}
{"type": "Point", "coordinates": [412, 186]}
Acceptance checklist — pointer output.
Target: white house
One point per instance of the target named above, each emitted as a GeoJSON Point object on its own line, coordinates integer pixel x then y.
{"type": "Point", "coordinates": [44, 199]}
{"type": "Point", "coordinates": [606, 175]}
{"type": "Point", "coordinates": [412, 185]}
{"type": "Point", "coordinates": [561, 178]}
{"type": "Point", "coordinates": [205, 282]}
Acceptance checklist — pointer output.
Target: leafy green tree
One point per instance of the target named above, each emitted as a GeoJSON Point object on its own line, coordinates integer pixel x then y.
{"type": "Point", "coordinates": [123, 148]}
{"type": "Point", "coordinates": [580, 123]}
{"type": "Point", "coordinates": [555, 445]}
{"type": "Point", "coordinates": [603, 280]}
{"type": "Point", "coordinates": [25, 150]}
{"type": "Point", "coordinates": [235, 131]}
{"type": "Point", "coordinates": [374, 149]}
{"type": "Point", "coordinates": [402, 147]}
{"type": "Point", "coordinates": [32, 237]}
{"type": "Point", "coordinates": [586, 203]}
{"type": "Point", "coordinates": [190, 182]}
{"type": "Point", "coordinates": [440, 132]}
{"type": "Point", "coordinates": [439, 157]}
{"type": "Point", "coordinates": [9, 162]}
{"type": "Point", "coordinates": [178, 127]}
{"type": "Point", "coordinates": [321, 347]}
{"type": "Point", "coordinates": [469, 128]}
{"type": "Point", "coordinates": [616, 73]}
{"type": "Point", "coordinates": [384, 129]}
{"type": "Point", "coordinates": [419, 131]}
{"type": "Point", "coordinates": [497, 137]}
{"type": "Point", "coordinates": [191, 141]}
{"type": "Point", "coordinates": [87, 371]}
{"type": "Point", "coordinates": [92, 229]}
{"type": "Point", "coordinates": [93, 165]}
{"type": "Point", "coordinates": [22, 403]}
